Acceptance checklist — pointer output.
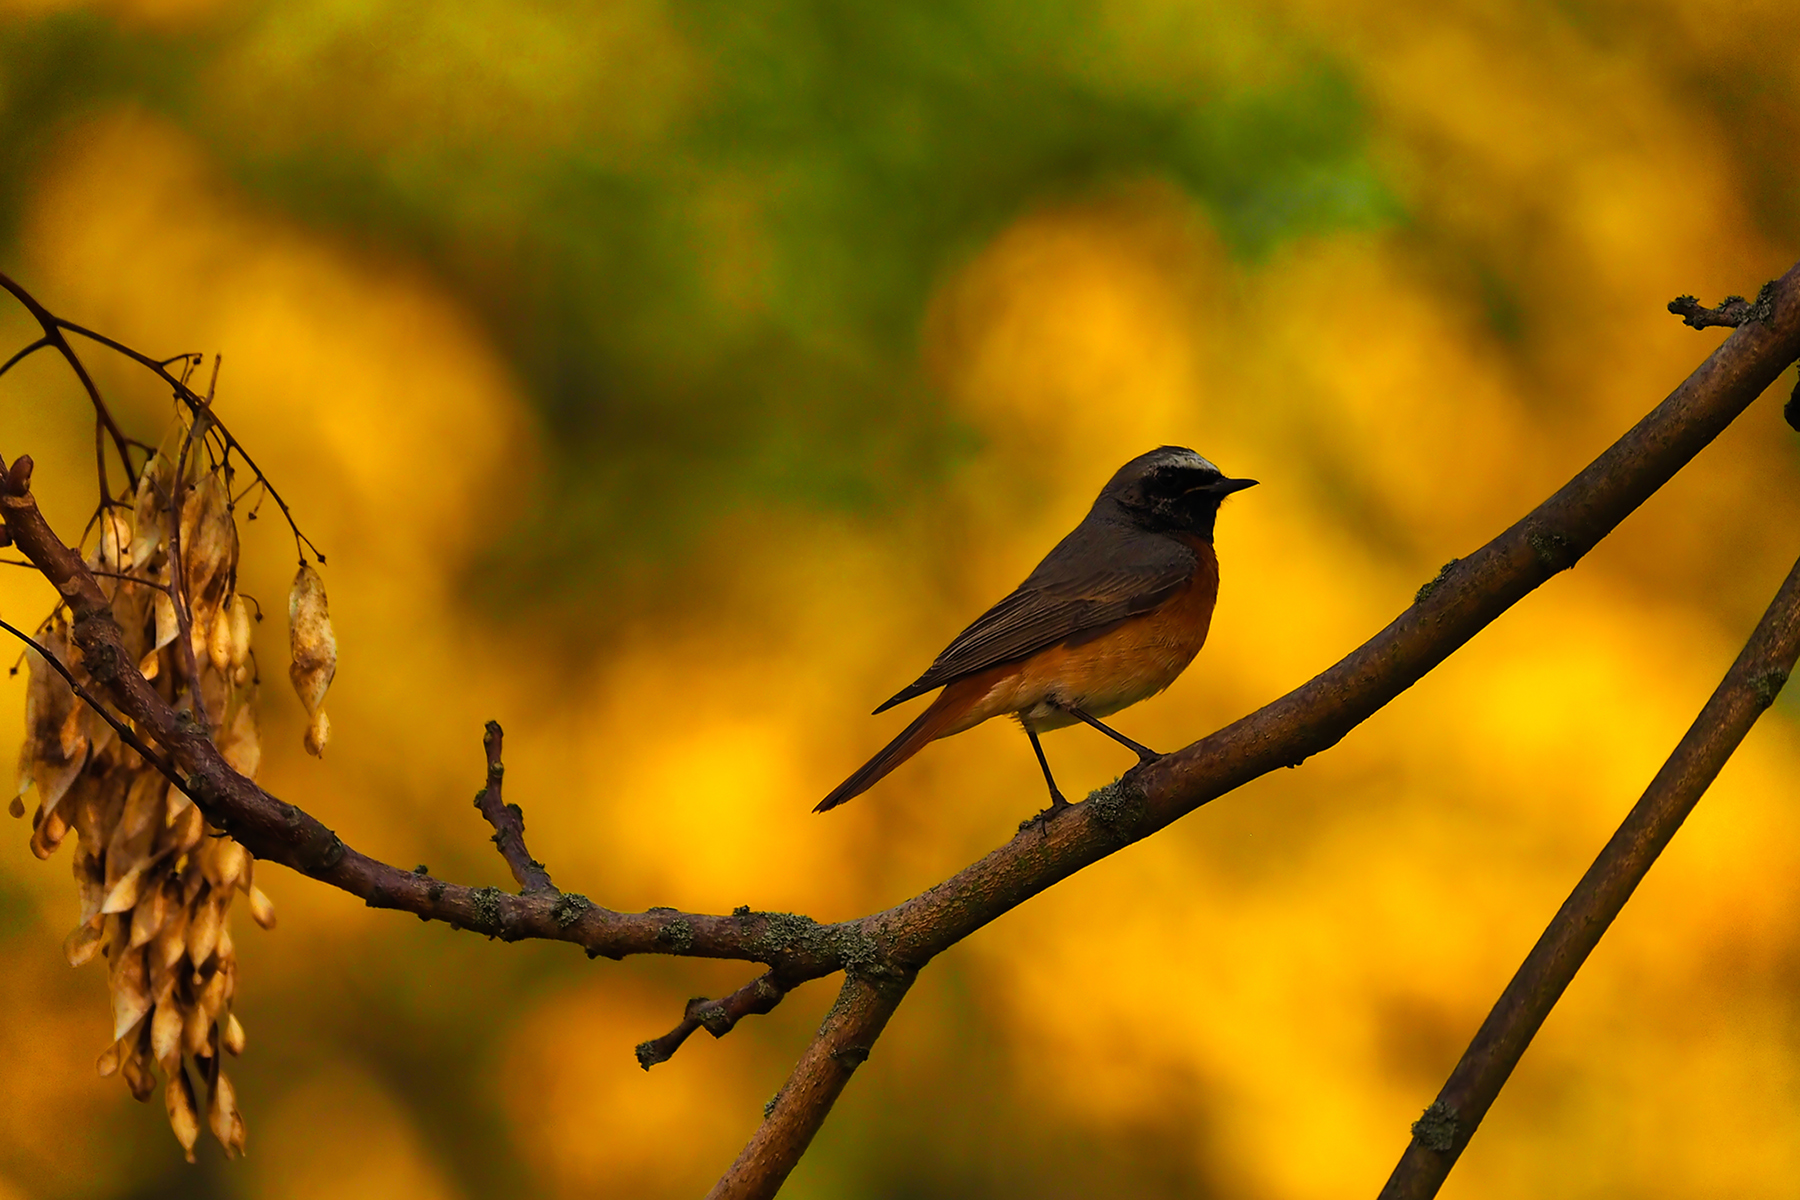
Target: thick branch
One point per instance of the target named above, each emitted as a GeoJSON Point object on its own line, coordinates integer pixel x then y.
{"type": "Point", "coordinates": [508, 820]}
{"type": "Point", "coordinates": [842, 1044]}
{"type": "Point", "coordinates": [1748, 688]}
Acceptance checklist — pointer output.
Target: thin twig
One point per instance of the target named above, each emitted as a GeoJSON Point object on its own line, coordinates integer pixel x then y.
{"type": "Point", "coordinates": [22, 355]}
{"type": "Point", "coordinates": [717, 1017]}
{"type": "Point", "coordinates": [1731, 312]}
{"type": "Point", "coordinates": [178, 582]}
{"type": "Point", "coordinates": [1748, 688]}
{"type": "Point", "coordinates": [187, 396]}
{"type": "Point", "coordinates": [508, 821]}
{"type": "Point", "coordinates": [53, 334]}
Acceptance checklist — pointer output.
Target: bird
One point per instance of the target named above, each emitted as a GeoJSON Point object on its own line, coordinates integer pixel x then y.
{"type": "Point", "coordinates": [1111, 616]}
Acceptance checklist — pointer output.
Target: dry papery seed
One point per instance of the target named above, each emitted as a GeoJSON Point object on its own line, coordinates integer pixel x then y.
{"type": "Point", "coordinates": [314, 649]}
{"type": "Point", "coordinates": [156, 884]}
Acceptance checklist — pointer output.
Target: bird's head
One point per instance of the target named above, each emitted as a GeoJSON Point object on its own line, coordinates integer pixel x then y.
{"type": "Point", "coordinates": [1171, 490]}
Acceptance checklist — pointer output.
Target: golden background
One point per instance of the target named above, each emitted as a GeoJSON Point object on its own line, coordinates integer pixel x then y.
{"type": "Point", "coordinates": [671, 381]}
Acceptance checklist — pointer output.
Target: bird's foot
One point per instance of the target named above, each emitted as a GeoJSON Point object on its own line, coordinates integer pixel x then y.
{"type": "Point", "coordinates": [1043, 819]}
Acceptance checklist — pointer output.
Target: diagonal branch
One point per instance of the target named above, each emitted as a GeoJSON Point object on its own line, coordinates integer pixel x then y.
{"type": "Point", "coordinates": [1748, 688]}
{"type": "Point", "coordinates": [790, 1120]}
{"type": "Point", "coordinates": [881, 953]}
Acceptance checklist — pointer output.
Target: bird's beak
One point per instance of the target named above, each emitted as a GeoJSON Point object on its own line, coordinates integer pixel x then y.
{"type": "Point", "coordinates": [1227, 486]}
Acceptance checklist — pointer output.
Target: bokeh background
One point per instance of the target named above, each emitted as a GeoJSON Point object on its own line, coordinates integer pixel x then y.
{"type": "Point", "coordinates": [672, 380]}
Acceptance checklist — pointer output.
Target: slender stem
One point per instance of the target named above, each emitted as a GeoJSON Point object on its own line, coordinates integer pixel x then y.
{"type": "Point", "coordinates": [178, 581]}
{"type": "Point", "coordinates": [183, 392]}
{"type": "Point", "coordinates": [22, 355]}
{"type": "Point", "coordinates": [53, 334]}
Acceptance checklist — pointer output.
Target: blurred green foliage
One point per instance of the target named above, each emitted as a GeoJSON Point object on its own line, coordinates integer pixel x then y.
{"type": "Point", "coordinates": [706, 232]}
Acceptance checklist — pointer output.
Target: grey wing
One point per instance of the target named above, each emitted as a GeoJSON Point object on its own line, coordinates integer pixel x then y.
{"type": "Point", "coordinates": [1101, 573]}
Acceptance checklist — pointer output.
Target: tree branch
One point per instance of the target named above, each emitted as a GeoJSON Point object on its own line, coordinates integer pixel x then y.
{"type": "Point", "coordinates": [790, 1120]}
{"type": "Point", "coordinates": [1748, 688]}
{"type": "Point", "coordinates": [881, 953]}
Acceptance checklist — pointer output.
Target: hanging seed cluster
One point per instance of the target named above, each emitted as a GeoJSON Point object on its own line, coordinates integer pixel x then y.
{"type": "Point", "coordinates": [156, 882]}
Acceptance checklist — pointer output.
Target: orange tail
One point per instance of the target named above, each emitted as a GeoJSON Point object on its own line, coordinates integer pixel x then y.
{"type": "Point", "coordinates": [933, 721]}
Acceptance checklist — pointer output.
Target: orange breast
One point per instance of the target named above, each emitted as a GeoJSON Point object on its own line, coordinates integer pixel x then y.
{"type": "Point", "coordinates": [1131, 661]}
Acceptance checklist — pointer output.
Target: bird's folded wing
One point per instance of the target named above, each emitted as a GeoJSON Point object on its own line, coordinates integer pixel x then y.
{"type": "Point", "coordinates": [1094, 578]}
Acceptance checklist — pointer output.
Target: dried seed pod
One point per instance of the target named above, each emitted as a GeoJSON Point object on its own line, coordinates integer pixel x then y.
{"type": "Point", "coordinates": [209, 548]}
{"type": "Point", "coordinates": [110, 1058]}
{"type": "Point", "coordinates": [221, 637]}
{"type": "Point", "coordinates": [242, 627]}
{"type": "Point", "coordinates": [130, 987]}
{"type": "Point", "coordinates": [168, 625]}
{"type": "Point", "coordinates": [203, 930]}
{"type": "Point", "coordinates": [165, 1030]}
{"type": "Point", "coordinates": [314, 648]}
{"type": "Point", "coordinates": [262, 909]}
{"type": "Point", "coordinates": [223, 1116]}
{"type": "Point", "coordinates": [184, 1113]}
{"type": "Point", "coordinates": [55, 749]}
{"type": "Point", "coordinates": [241, 742]}
{"type": "Point", "coordinates": [155, 884]}
{"type": "Point", "coordinates": [150, 513]}
{"type": "Point", "coordinates": [136, 1070]}
{"type": "Point", "coordinates": [112, 549]}
{"type": "Point", "coordinates": [47, 833]}
{"type": "Point", "coordinates": [232, 1039]}
{"type": "Point", "coordinates": [82, 943]}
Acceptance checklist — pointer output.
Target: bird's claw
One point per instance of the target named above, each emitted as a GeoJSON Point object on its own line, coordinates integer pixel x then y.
{"type": "Point", "coordinates": [1043, 819]}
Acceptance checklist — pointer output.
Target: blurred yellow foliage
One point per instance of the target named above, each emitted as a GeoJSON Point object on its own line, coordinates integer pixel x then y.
{"type": "Point", "coordinates": [1292, 971]}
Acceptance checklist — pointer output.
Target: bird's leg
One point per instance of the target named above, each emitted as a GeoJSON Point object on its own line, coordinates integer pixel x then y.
{"type": "Point", "coordinates": [1057, 803]}
{"type": "Point", "coordinates": [1145, 754]}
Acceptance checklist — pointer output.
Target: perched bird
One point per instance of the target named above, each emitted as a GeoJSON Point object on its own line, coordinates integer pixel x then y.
{"type": "Point", "coordinates": [1110, 617]}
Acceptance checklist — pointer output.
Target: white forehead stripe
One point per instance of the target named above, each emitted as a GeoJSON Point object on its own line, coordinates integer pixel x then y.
{"type": "Point", "coordinates": [1192, 461]}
